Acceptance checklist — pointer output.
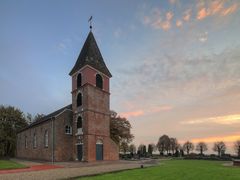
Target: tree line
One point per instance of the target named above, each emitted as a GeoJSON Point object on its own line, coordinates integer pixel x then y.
{"type": "Point", "coordinates": [169, 146]}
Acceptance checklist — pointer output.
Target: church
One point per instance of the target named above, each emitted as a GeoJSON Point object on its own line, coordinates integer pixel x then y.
{"type": "Point", "coordinates": [79, 131]}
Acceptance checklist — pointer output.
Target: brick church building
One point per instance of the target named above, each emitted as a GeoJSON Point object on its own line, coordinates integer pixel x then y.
{"type": "Point", "coordinates": [81, 130]}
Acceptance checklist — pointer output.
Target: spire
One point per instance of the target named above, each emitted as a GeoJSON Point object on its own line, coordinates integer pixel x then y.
{"type": "Point", "coordinates": [90, 55]}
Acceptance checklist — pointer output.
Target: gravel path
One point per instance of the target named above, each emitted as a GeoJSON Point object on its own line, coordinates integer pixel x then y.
{"type": "Point", "coordinates": [70, 172]}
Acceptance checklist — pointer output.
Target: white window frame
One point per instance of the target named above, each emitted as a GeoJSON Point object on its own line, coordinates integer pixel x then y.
{"type": "Point", "coordinates": [68, 130]}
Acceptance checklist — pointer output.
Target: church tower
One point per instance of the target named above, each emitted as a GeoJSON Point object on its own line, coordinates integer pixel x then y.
{"type": "Point", "coordinates": [90, 104]}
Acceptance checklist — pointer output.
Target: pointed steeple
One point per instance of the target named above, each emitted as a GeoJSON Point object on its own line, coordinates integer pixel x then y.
{"type": "Point", "coordinates": [90, 55]}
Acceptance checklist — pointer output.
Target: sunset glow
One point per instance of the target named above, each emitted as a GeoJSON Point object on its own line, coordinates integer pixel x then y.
{"type": "Point", "coordinates": [175, 63]}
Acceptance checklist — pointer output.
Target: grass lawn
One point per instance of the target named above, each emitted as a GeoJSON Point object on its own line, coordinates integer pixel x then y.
{"type": "Point", "coordinates": [6, 164]}
{"type": "Point", "coordinates": [177, 169]}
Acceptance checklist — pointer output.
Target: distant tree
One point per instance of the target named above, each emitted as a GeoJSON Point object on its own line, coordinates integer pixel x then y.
{"type": "Point", "coordinates": [132, 149]}
{"type": "Point", "coordinates": [124, 147]}
{"type": "Point", "coordinates": [11, 121]}
{"type": "Point", "coordinates": [188, 146]}
{"type": "Point", "coordinates": [219, 147]}
{"type": "Point", "coordinates": [201, 147]}
{"type": "Point", "coordinates": [120, 129]}
{"type": "Point", "coordinates": [151, 149]}
{"type": "Point", "coordinates": [173, 145]}
{"type": "Point", "coordinates": [237, 147]}
{"type": "Point", "coordinates": [142, 150]}
{"type": "Point", "coordinates": [163, 144]}
{"type": "Point", "coordinates": [38, 117]}
{"type": "Point", "coordinates": [28, 118]}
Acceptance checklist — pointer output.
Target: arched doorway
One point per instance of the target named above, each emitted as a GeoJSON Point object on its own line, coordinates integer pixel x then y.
{"type": "Point", "coordinates": [99, 150]}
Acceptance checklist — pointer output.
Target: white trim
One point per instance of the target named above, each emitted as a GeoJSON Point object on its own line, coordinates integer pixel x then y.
{"type": "Point", "coordinates": [62, 112]}
{"type": "Point", "coordinates": [89, 67]}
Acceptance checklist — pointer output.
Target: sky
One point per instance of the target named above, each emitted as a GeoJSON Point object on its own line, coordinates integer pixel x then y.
{"type": "Point", "coordinates": [175, 63]}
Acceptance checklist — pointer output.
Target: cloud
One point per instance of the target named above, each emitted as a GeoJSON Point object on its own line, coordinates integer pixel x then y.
{"type": "Point", "coordinates": [172, 1]}
{"type": "Point", "coordinates": [223, 120]}
{"type": "Point", "coordinates": [187, 15]}
{"type": "Point", "coordinates": [132, 114]}
{"type": "Point", "coordinates": [203, 37]}
{"type": "Point", "coordinates": [147, 111]}
{"type": "Point", "coordinates": [212, 139]}
{"type": "Point", "coordinates": [229, 10]}
{"type": "Point", "coordinates": [216, 7]}
{"type": "Point", "coordinates": [179, 23]}
{"type": "Point", "coordinates": [203, 13]}
{"type": "Point", "coordinates": [117, 33]}
{"type": "Point", "coordinates": [157, 21]}
{"type": "Point", "coordinates": [61, 46]}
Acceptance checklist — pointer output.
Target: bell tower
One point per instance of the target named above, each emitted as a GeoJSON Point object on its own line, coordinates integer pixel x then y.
{"type": "Point", "coordinates": [90, 104]}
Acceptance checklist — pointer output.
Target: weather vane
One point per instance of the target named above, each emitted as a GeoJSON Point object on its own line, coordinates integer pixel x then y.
{"type": "Point", "coordinates": [90, 21]}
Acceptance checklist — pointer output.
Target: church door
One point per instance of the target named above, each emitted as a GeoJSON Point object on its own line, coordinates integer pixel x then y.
{"type": "Point", "coordinates": [99, 151]}
{"type": "Point", "coordinates": [79, 151]}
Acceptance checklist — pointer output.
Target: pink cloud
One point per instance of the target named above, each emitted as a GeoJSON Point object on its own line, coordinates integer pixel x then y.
{"type": "Point", "coordinates": [132, 114]}
{"type": "Point", "coordinates": [169, 15]}
{"type": "Point", "coordinates": [187, 15]}
{"type": "Point", "coordinates": [179, 23]}
{"type": "Point", "coordinates": [229, 10]}
{"type": "Point", "coordinates": [203, 13]}
{"type": "Point", "coordinates": [215, 7]}
{"type": "Point", "coordinates": [140, 112]}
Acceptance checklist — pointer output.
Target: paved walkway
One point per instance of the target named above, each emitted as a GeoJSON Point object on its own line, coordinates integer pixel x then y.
{"type": "Point", "coordinates": [75, 169]}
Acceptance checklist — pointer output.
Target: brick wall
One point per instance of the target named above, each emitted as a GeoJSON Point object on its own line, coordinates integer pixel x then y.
{"type": "Point", "coordinates": [63, 142]}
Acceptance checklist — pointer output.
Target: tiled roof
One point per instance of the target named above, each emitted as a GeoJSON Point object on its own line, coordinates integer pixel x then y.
{"type": "Point", "coordinates": [47, 117]}
{"type": "Point", "coordinates": [91, 55]}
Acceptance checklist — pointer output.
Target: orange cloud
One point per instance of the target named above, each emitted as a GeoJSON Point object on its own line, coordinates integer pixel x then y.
{"type": "Point", "coordinates": [229, 10]}
{"type": "Point", "coordinates": [215, 7]}
{"type": "Point", "coordinates": [187, 15]}
{"type": "Point", "coordinates": [224, 120]}
{"type": "Point", "coordinates": [140, 112]}
{"type": "Point", "coordinates": [132, 114]}
{"type": "Point", "coordinates": [169, 15]}
{"type": "Point", "coordinates": [179, 23]}
{"type": "Point", "coordinates": [202, 13]}
{"type": "Point", "coordinates": [229, 138]}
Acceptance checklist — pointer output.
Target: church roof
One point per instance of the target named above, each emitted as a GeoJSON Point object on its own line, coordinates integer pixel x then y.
{"type": "Point", "coordinates": [47, 117]}
{"type": "Point", "coordinates": [90, 55]}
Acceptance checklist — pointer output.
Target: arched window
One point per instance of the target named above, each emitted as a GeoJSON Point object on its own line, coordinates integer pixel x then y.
{"type": "Point", "coordinates": [34, 140]}
{"type": "Point", "coordinates": [68, 129]}
{"type": "Point", "coordinates": [79, 99]}
{"type": "Point", "coordinates": [46, 138]}
{"type": "Point", "coordinates": [79, 80]}
{"type": "Point", "coordinates": [79, 122]}
{"type": "Point", "coordinates": [99, 81]}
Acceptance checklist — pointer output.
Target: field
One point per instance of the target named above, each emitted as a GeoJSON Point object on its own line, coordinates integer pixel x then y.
{"type": "Point", "coordinates": [6, 164]}
{"type": "Point", "coordinates": [177, 170]}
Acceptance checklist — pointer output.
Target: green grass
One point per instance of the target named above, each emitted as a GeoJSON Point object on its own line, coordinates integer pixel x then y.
{"type": "Point", "coordinates": [7, 164]}
{"type": "Point", "coordinates": [177, 170]}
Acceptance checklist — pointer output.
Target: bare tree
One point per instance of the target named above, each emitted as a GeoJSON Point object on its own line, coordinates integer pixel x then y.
{"type": "Point", "coordinates": [188, 146]}
{"type": "Point", "coordinates": [219, 147]}
{"type": "Point", "coordinates": [132, 149]}
{"type": "Point", "coordinates": [124, 147]}
{"type": "Point", "coordinates": [237, 147]}
{"type": "Point", "coordinates": [163, 144]}
{"type": "Point", "coordinates": [173, 145]}
{"type": "Point", "coordinates": [201, 147]}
